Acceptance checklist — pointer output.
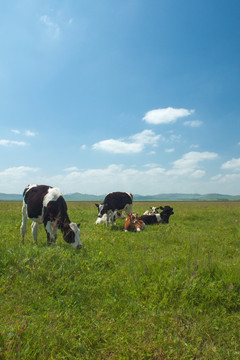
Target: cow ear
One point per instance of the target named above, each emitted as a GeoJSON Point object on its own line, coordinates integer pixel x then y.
{"type": "Point", "coordinates": [78, 225]}
{"type": "Point", "coordinates": [97, 205]}
{"type": "Point", "coordinates": [160, 207]}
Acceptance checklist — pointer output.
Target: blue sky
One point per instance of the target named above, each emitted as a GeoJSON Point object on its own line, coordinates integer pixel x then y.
{"type": "Point", "coordinates": [130, 95]}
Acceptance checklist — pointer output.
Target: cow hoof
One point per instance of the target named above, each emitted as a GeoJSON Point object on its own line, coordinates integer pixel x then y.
{"type": "Point", "coordinates": [79, 247]}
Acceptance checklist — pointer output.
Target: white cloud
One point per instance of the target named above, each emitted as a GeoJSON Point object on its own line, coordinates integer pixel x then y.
{"type": "Point", "coordinates": [16, 131]}
{"type": "Point", "coordinates": [169, 150]}
{"type": "Point", "coordinates": [146, 137]}
{"type": "Point", "coordinates": [15, 179]}
{"type": "Point", "coordinates": [71, 169]}
{"type": "Point", "coordinates": [18, 171]}
{"type": "Point", "coordinates": [175, 138]}
{"type": "Point", "coordinates": [26, 132]}
{"type": "Point", "coordinates": [118, 146]}
{"type": "Point", "coordinates": [148, 179]}
{"type": "Point", "coordinates": [52, 28]}
{"type": "Point", "coordinates": [134, 143]}
{"type": "Point", "coordinates": [29, 133]}
{"type": "Point", "coordinates": [198, 174]}
{"type": "Point", "coordinates": [165, 115]}
{"type": "Point", "coordinates": [216, 177]}
{"type": "Point", "coordinates": [193, 123]}
{"type": "Point", "coordinates": [233, 164]}
{"type": "Point", "coordinates": [12, 142]}
{"type": "Point", "coordinates": [189, 162]}
{"type": "Point", "coordinates": [230, 179]}
{"type": "Point", "coordinates": [112, 178]}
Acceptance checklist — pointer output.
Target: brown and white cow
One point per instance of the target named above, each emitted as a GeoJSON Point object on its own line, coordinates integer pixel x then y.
{"type": "Point", "coordinates": [133, 223]}
{"type": "Point", "coordinates": [45, 205]}
{"type": "Point", "coordinates": [115, 201]}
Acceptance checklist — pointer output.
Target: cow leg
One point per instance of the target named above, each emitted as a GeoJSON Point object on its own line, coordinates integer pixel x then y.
{"type": "Point", "coordinates": [110, 217]}
{"type": "Point", "coordinates": [23, 228]}
{"type": "Point", "coordinates": [52, 232]}
{"type": "Point", "coordinates": [35, 227]}
{"type": "Point", "coordinates": [128, 209]}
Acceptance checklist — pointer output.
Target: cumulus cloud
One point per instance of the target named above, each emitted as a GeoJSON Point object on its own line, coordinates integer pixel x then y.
{"type": "Point", "coordinates": [189, 162]}
{"type": "Point", "coordinates": [165, 115]}
{"type": "Point", "coordinates": [146, 137]}
{"type": "Point", "coordinates": [198, 174]}
{"type": "Point", "coordinates": [193, 123]}
{"type": "Point", "coordinates": [185, 177]}
{"type": "Point", "coordinates": [18, 171]}
{"type": "Point", "coordinates": [52, 28]}
{"type": "Point", "coordinates": [118, 146]}
{"type": "Point", "coordinates": [4, 142]}
{"type": "Point", "coordinates": [134, 144]}
{"type": "Point", "coordinates": [229, 179]}
{"type": "Point", "coordinates": [233, 164]}
{"type": "Point", "coordinates": [15, 179]}
{"type": "Point", "coordinates": [112, 178]}
{"type": "Point", "coordinates": [169, 150]}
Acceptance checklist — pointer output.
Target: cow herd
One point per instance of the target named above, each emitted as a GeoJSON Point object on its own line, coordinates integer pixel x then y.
{"type": "Point", "coordinates": [45, 205]}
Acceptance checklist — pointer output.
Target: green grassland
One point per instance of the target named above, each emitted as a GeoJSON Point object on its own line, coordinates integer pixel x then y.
{"type": "Point", "coordinates": [169, 292]}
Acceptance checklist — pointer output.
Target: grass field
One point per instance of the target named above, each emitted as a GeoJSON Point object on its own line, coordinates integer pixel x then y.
{"type": "Point", "coordinates": [169, 292]}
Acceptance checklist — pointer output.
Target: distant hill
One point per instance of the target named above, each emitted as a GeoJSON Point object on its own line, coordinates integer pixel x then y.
{"type": "Point", "coordinates": [10, 197]}
{"type": "Point", "coordinates": [137, 197]}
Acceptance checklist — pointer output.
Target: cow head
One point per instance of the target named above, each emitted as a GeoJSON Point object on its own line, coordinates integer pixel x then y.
{"type": "Point", "coordinates": [71, 235]}
{"type": "Point", "coordinates": [133, 218]}
{"type": "Point", "coordinates": [167, 211]}
{"type": "Point", "coordinates": [102, 209]}
{"type": "Point", "coordinates": [155, 209]}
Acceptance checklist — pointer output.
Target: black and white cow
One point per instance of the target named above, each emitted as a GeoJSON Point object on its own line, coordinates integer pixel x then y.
{"type": "Point", "coordinates": [45, 205]}
{"type": "Point", "coordinates": [153, 211]}
{"type": "Point", "coordinates": [162, 218]}
{"type": "Point", "coordinates": [115, 202]}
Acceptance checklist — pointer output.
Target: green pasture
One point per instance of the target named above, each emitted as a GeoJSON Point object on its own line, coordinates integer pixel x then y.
{"type": "Point", "coordinates": [169, 292]}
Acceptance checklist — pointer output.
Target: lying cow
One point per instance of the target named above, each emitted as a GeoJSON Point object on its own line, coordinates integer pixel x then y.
{"type": "Point", "coordinates": [45, 205]}
{"type": "Point", "coordinates": [153, 211]}
{"type": "Point", "coordinates": [133, 223]}
{"type": "Point", "coordinates": [162, 218]}
{"type": "Point", "coordinates": [115, 201]}
{"type": "Point", "coordinates": [113, 217]}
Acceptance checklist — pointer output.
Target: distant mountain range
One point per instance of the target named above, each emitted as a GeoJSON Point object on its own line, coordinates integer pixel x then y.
{"type": "Point", "coordinates": [137, 197]}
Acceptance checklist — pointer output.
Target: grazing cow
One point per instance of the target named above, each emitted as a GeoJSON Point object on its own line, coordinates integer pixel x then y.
{"type": "Point", "coordinates": [133, 223]}
{"type": "Point", "coordinates": [154, 210]}
{"type": "Point", "coordinates": [163, 217]}
{"type": "Point", "coordinates": [45, 205]}
{"type": "Point", "coordinates": [115, 201]}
